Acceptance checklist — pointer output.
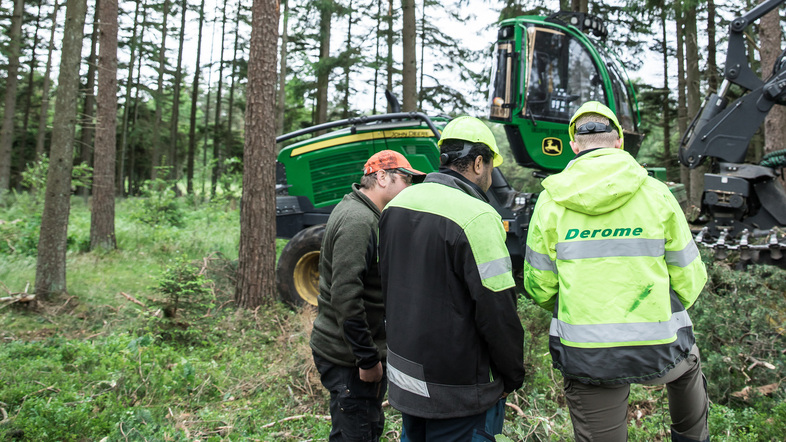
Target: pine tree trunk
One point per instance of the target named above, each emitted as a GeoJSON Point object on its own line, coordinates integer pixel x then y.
{"type": "Point", "coordinates": [44, 114]}
{"type": "Point", "coordinates": [257, 255]}
{"type": "Point", "coordinates": [102, 220]}
{"type": "Point", "coordinates": [694, 98]}
{"type": "Point", "coordinates": [579, 5]}
{"type": "Point", "coordinates": [666, 109]}
{"type": "Point", "coordinates": [409, 47]}
{"type": "Point", "coordinates": [770, 38]}
{"type": "Point", "coordinates": [174, 127]}
{"type": "Point", "coordinates": [155, 158]}
{"type": "Point", "coordinates": [389, 60]}
{"type": "Point", "coordinates": [194, 96]}
{"type": "Point", "coordinates": [712, 63]}
{"type": "Point", "coordinates": [347, 67]}
{"type": "Point", "coordinates": [376, 58]}
{"type": "Point", "coordinates": [682, 107]}
{"type": "Point", "coordinates": [120, 185]}
{"type": "Point", "coordinates": [50, 277]}
{"type": "Point", "coordinates": [23, 156]}
{"type": "Point", "coordinates": [12, 81]}
{"type": "Point", "coordinates": [133, 177]}
{"type": "Point", "coordinates": [218, 153]}
{"type": "Point", "coordinates": [323, 74]}
{"type": "Point", "coordinates": [233, 75]}
{"type": "Point", "coordinates": [88, 120]}
{"type": "Point", "coordinates": [281, 101]}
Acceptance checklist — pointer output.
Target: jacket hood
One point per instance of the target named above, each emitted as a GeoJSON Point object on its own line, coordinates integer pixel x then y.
{"type": "Point", "coordinates": [597, 182]}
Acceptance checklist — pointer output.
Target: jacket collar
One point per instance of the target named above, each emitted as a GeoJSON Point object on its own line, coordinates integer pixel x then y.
{"type": "Point", "coordinates": [362, 197]}
{"type": "Point", "coordinates": [451, 178]}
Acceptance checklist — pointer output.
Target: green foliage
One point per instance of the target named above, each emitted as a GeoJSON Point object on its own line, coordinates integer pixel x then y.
{"type": "Point", "coordinates": [186, 290]}
{"type": "Point", "coordinates": [160, 205]}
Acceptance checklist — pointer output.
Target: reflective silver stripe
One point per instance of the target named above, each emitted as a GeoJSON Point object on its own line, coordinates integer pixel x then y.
{"type": "Point", "coordinates": [407, 382]}
{"type": "Point", "coordinates": [605, 248]}
{"type": "Point", "coordinates": [540, 261]}
{"type": "Point", "coordinates": [495, 268]}
{"type": "Point", "coordinates": [682, 258]}
{"type": "Point", "coordinates": [610, 333]}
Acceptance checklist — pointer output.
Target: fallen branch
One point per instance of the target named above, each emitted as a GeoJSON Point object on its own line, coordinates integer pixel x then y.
{"type": "Point", "coordinates": [24, 297]}
{"type": "Point", "coordinates": [757, 362]}
{"type": "Point", "coordinates": [132, 299]}
{"type": "Point", "coordinates": [517, 409]}
{"type": "Point", "coordinates": [292, 418]}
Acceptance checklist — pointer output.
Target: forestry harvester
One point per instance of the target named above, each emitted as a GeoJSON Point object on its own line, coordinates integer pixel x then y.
{"type": "Point", "coordinates": [743, 204]}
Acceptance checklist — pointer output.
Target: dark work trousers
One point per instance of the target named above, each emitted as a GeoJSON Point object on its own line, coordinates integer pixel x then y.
{"type": "Point", "coordinates": [599, 412]}
{"type": "Point", "coordinates": [477, 428]}
{"type": "Point", "coordinates": [355, 406]}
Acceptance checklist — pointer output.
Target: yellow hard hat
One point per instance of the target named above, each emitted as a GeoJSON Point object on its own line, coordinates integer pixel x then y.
{"type": "Point", "coordinates": [594, 107]}
{"type": "Point", "coordinates": [473, 130]}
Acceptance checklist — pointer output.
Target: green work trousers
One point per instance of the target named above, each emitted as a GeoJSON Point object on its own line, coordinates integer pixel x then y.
{"type": "Point", "coordinates": [599, 412]}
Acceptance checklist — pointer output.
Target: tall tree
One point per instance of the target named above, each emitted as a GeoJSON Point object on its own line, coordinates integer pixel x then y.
{"type": "Point", "coordinates": [696, 188]}
{"type": "Point", "coordinates": [409, 47]}
{"type": "Point", "coordinates": [102, 220]}
{"type": "Point", "coordinates": [50, 275]}
{"type": "Point", "coordinates": [666, 107]}
{"type": "Point", "coordinates": [194, 96]}
{"type": "Point", "coordinates": [233, 76]}
{"type": "Point", "coordinates": [712, 63]}
{"type": "Point", "coordinates": [281, 99]}
{"type": "Point", "coordinates": [155, 158]}
{"type": "Point", "coordinates": [348, 58]}
{"type": "Point", "coordinates": [324, 65]}
{"type": "Point", "coordinates": [682, 108]}
{"type": "Point", "coordinates": [217, 150]}
{"type": "Point", "coordinates": [389, 58]}
{"type": "Point", "coordinates": [174, 126]}
{"type": "Point", "coordinates": [30, 85]}
{"type": "Point", "coordinates": [88, 121]}
{"type": "Point", "coordinates": [579, 5]}
{"type": "Point", "coordinates": [44, 115]}
{"type": "Point", "coordinates": [257, 255]}
{"type": "Point", "coordinates": [376, 57]}
{"type": "Point", "coordinates": [133, 46]}
{"type": "Point", "coordinates": [7, 131]}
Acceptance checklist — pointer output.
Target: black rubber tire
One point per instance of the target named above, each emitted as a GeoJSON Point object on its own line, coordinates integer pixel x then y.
{"type": "Point", "coordinates": [297, 272]}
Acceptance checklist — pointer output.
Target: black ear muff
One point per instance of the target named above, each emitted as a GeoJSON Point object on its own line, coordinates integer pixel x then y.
{"type": "Point", "coordinates": [444, 159]}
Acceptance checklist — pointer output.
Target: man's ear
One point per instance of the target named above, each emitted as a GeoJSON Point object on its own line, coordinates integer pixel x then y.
{"type": "Point", "coordinates": [478, 164]}
{"type": "Point", "coordinates": [575, 147]}
{"type": "Point", "coordinates": [618, 143]}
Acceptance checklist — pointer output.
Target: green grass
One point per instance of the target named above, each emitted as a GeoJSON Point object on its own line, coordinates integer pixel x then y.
{"type": "Point", "coordinates": [94, 365]}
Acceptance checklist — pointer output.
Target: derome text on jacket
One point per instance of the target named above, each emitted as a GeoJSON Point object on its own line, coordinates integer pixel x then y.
{"type": "Point", "coordinates": [604, 233]}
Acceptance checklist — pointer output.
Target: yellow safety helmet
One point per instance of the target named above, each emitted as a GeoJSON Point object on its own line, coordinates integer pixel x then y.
{"type": "Point", "coordinates": [473, 130]}
{"type": "Point", "coordinates": [594, 107]}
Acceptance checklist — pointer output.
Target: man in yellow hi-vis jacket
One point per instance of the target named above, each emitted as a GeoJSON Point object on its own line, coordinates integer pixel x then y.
{"type": "Point", "coordinates": [610, 253]}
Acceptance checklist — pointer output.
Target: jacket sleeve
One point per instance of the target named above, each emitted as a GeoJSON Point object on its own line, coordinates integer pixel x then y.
{"type": "Point", "coordinates": [489, 276]}
{"type": "Point", "coordinates": [353, 249]}
{"type": "Point", "coordinates": [687, 274]}
{"type": "Point", "coordinates": [541, 280]}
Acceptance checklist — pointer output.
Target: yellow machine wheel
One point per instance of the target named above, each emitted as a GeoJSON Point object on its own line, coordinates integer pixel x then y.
{"type": "Point", "coordinates": [297, 272]}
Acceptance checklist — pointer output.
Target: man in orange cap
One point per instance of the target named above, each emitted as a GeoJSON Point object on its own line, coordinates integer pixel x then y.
{"type": "Point", "coordinates": [348, 339]}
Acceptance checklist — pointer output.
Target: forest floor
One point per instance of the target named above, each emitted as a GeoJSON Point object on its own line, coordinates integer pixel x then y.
{"type": "Point", "coordinates": [148, 344]}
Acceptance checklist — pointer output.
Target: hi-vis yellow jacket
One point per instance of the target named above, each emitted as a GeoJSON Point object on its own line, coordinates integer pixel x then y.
{"type": "Point", "coordinates": [610, 253]}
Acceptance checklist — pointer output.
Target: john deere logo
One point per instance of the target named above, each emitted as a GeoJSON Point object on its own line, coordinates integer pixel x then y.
{"type": "Point", "coordinates": [552, 146]}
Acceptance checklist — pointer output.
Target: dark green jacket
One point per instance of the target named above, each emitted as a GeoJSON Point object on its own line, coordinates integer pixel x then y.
{"type": "Point", "coordinates": [349, 328]}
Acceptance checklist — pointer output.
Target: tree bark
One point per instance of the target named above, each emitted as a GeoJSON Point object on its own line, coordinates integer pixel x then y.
{"type": "Point", "coordinates": [120, 186]}
{"type": "Point", "coordinates": [194, 96]}
{"type": "Point", "coordinates": [228, 141]}
{"type": "Point", "coordinates": [88, 120]}
{"type": "Point", "coordinates": [682, 107]}
{"type": "Point", "coordinates": [666, 109]}
{"type": "Point", "coordinates": [579, 5]}
{"type": "Point", "coordinates": [323, 73]}
{"type": "Point", "coordinates": [376, 58]}
{"type": "Point", "coordinates": [389, 59]}
{"type": "Point", "coordinates": [155, 158]}
{"type": "Point", "coordinates": [44, 115]}
{"type": "Point", "coordinates": [174, 126]}
{"type": "Point", "coordinates": [102, 220]}
{"type": "Point", "coordinates": [770, 38]}
{"type": "Point", "coordinates": [257, 255]}
{"type": "Point", "coordinates": [281, 101]}
{"type": "Point", "coordinates": [409, 48]}
{"type": "Point", "coordinates": [218, 153]}
{"type": "Point", "coordinates": [694, 98]}
{"type": "Point", "coordinates": [50, 275]}
{"type": "Point", "coordinates": [347, 66]}
{"type": "Point", "coordinates": [23, 157]}
{"type": "Point", "coordinates": [12, 81]}
{"type": "Point", "coordinates": [712, 63]}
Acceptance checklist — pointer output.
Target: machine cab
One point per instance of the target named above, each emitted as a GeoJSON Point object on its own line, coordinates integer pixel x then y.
{"type": "Point", "coordinates": [546, 67]}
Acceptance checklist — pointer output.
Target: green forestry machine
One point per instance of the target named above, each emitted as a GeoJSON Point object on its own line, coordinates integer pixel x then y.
{"type": "Point", "coordinates": [545, 68]}
{"type": "Point", "coordinates": [743, 205]}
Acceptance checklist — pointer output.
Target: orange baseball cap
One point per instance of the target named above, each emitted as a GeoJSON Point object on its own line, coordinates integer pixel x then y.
{"type": "Point", "coordinates": [388, 159]}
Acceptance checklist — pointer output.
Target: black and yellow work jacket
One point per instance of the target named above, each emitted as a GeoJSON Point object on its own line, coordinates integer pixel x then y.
{"type": "Point", "coordinates": [455, 342]}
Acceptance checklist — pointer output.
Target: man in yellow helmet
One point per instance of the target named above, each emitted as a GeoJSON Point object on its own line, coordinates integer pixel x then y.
{"type": "Point", "coordinates": [455, 342]}
{"type": "Point", "coordinates": [609, 252]}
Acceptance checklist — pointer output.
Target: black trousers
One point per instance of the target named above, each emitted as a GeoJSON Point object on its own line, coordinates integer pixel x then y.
{"type": "Point", "coordinates": [355, 406]}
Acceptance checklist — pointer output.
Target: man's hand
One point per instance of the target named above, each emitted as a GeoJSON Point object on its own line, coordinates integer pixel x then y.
{"type": "Point", "coordinates": [373, 374]}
